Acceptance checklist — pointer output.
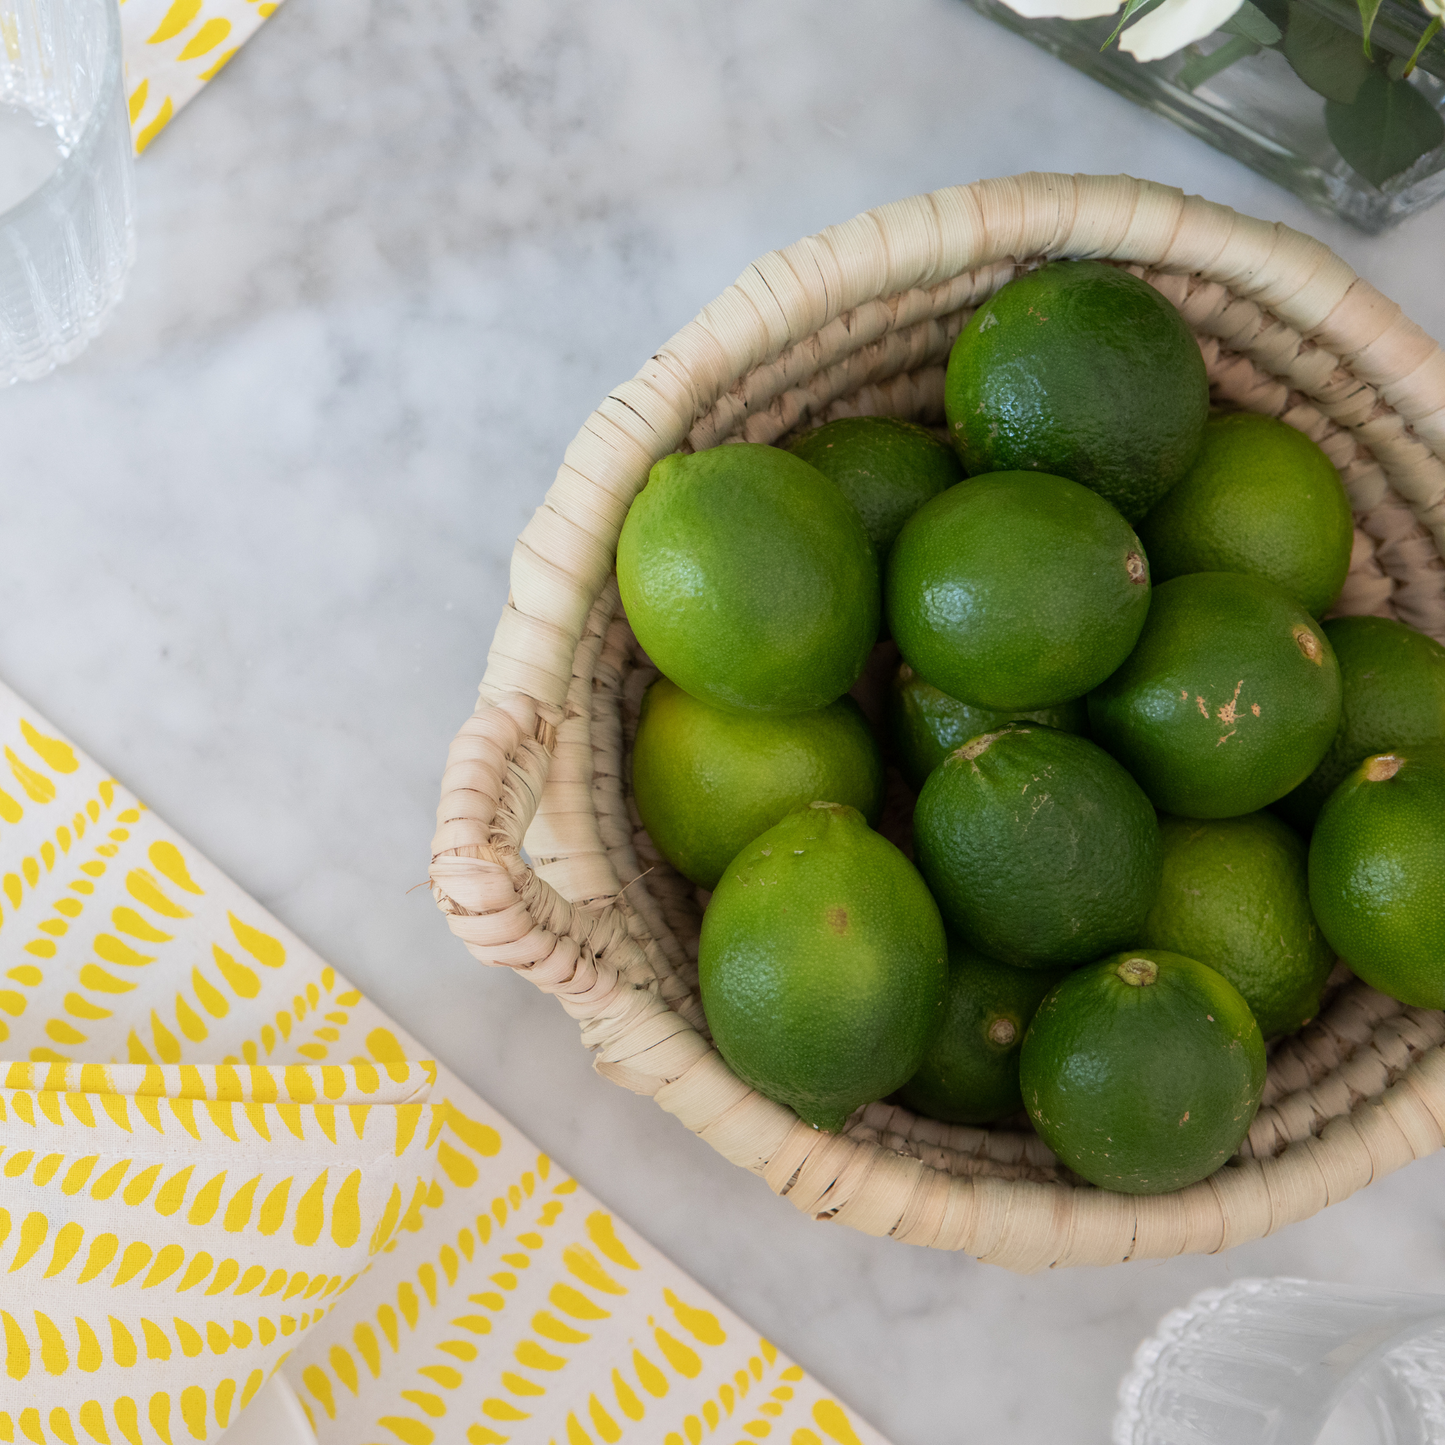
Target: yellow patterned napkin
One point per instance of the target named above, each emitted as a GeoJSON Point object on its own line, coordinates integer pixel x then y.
{"type": "Point", "coordinates": [173, 47]}
{"type": "Point", "coordinates": [218, 1158]}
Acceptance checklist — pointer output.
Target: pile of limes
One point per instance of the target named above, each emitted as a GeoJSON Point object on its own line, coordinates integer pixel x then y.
{"type": "Point", "coordinates": [1099, 602]}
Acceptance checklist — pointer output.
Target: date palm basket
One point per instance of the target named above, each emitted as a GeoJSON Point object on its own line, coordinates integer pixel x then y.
{"type": "Point", "coordinates": [541, 865]}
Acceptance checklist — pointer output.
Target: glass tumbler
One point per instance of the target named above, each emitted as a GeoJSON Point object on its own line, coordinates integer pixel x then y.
{"type": "Point", "coordinates": [67, 196]}
{"type": "Point", "coordinates": [1290, 1362]}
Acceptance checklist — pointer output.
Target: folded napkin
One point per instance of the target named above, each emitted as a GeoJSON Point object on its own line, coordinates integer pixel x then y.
{"type": "Point", "coordinates": [218, 1158]}
{"type": "Point", "coordinates": [173, 47]}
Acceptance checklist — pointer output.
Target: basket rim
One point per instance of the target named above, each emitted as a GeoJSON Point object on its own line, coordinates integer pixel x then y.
{"type": "Point", "coordinates": [862, 310]}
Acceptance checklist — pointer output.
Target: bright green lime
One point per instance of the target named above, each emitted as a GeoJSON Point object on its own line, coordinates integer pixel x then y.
{"type": "Point", "coordinates": [1377, 873]}
{"type": "Point", "coordinates": [1261, 498]}
{"type": "Point", "coordinates": [1143, 1072]}
{"type": "Point", "coordinates": [707, 782]}
{"type": "Point", "coordinates": [1018, 590]}
{"type": "Point", "coordinates": [1229, 700]}
{"type": "Point", "coordinates": [1393, 696]}
{"type": "Point", "coordinates": [970, 1074]}
{"type": "Point", "coordinates": [1038, 846]}
{"type": "Point", "coordinates": [749, 580]}
{"type": "Point", "coordinates": [1235, 895]}
{"type": "Point", "coordinates": [1085, 371]}
{"type": "Point", "coordinates": [925, 725]}
{"type": "Point", "coordinates": [888, 468]}
{"type": "Point", "coordinates": [823, 965]}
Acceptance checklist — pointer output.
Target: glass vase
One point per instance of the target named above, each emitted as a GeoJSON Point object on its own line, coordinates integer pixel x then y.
{"type": "Point", "coordinates": [1287, 88]}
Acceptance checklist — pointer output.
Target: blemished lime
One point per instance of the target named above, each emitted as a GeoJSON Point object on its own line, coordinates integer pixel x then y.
{"type": "Point", "coordinates": [1143, 1072]}
{"type": "Point", "coordinates": [1377, 873]}
{"type": "Point", "coordinates": [1392, 682]}
{"type": "Point", "coordinates": [822, 965]}
{"type": "Point", "coordinates": [707, 782]}
{"type": "Point", "coordinates": [1040, 849]}
{"type": "Point", "coordinates": [925, 725]}
{"type": "Point", "coordinates": [749, 579]}
{"type": "Point", "coordinates": [1229, 700]}
{"type": "Point", "coordinates": [1261, 498]}
{"type": "Point", "coordinates": [888, 468]}
{"type": "Point", "coordinates": [1235, 895]}
{"type": "Point", "coordinates": [1085, 371]}
{"type": "Point", "coordinates": [1015, 591]}
{"type": "Point", "coordinates": [970, 1074]}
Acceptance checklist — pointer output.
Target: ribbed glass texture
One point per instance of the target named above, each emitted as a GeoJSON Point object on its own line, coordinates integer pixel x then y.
{"type": "Point", "coordinates": [1290, 1362]}
{"type": "Point", "coordinates": [66, 248]}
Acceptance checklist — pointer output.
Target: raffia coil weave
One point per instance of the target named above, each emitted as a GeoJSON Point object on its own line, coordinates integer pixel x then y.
{"type": "Point", "coordinates": [859, 320]}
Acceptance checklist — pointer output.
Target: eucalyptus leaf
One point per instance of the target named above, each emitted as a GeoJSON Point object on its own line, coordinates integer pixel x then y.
{"type": "Point", "coordinates": [1194, 72]}
{"type": "Point", "coordinates": [1386, 130]}
{"type": "Point", "coordinates": [1368, 10]}
{"type": "Point", "coordinates": [1133, 10]}
{"type": "Point", "coordinates": [1249, 22]}
{"type": "Point", "coordinates": [1326, 56]}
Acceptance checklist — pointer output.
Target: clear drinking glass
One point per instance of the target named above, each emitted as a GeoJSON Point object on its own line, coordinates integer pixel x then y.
{"type": "Point", "coordinates": [1290, 1362]}
{"type": "Point", "coordinates": [67, 196]}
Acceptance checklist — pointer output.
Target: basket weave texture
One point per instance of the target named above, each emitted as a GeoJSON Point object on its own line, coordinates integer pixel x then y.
{"type": "Point", "coordinates": [859, 320]}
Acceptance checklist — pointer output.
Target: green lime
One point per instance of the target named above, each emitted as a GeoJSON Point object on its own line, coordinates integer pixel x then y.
{"type": "Point", "coordinates": [888, 468]}
{"type": "Point", "coordinates": [1143, 1072]}
{"type": "Point", "coordinates": [707, 782]}
{"type": "Point", "coordinates": [823, 965]}
{"type": "Point", "coordinates": [1017, 590]}
{"type": "Point", "coordinates": [1235, 895]}
{"type": "Point", "coordinates": [749, 580]}
{"type": "Point", "coordinates": [1377, 873]}
{"type": "Point", "coordinates": [1229, 700]}
{"type": "Point", "coordinates": [1040, 849]}
{"type": "Point", "coordinates": [1261, 498]}
{"type": "Point", "coordinates": [970, 1074]}
{"type": "Point", "coordinates": [1393, 696]}
{"type": "Point", "coordinates": [1085, 371]}
{"type": "Point", "coordinates": [925, 725]}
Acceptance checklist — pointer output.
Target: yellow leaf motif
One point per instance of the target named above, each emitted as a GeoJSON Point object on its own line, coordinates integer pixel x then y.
{"type": "Point", "coordinates": [700, 1324]}
{"type": "Point", "coordinates": [32, 1236]}
{"type": "Point", "coordinates": [17, 1348]}
{"type": "Point", "coordinates": [273, 1208]}
{"type": "Point", "coordinates": [88, 1357]}
{"type": "Point", "coordinates": [238, 1211]}
{"type": "Point", "coordinates": [53, 1354]}
{"type": "Point", "coordinates": [181, 13]}
{"type": "Point", "coordinates": [584, 1265]}
{"type": "Point", "coordinates": [601, 1232]}
{"type": "Point", "coordinates": [679, 1356]}
{"type": "Point", "coordinates": [38, 788]}
{"type": "Point", "coordinates": [138, 100]}
{"type": "Point", "coordinates": [102, 1251]}
{"type": "Point", "coordinates": [168, 860]}
{"type": "Point", "coordinates": [56, 755]}
{"type": "Point", "coordinates": [144, 889]}
{"type": "Point", "coordinates": [346, 1212]}
{"type": "Point", "coordinates": [243, 982]}
{"type": "Point", "coordinates": [261, 946]}
{"type": "Point", "coordinates": [829, 1417]}
{"type": "Point", "coordinates": [207, 38]}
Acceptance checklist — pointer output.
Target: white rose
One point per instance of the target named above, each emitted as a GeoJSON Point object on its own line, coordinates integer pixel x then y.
{"type": "Point", "coordinates": [1065, 9]}
{"type": "Point", "coordinates": [1435, 8]}
{"type": "Point", "coordinates": [1177, 23]}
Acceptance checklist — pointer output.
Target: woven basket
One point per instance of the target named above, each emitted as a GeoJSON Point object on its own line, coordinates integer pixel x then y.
{"type": "Point", "coordinates": [859, 320]}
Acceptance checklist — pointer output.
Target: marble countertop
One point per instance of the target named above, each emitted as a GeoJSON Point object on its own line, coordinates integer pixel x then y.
{"type": "Point", "coordinates": [256, 538]}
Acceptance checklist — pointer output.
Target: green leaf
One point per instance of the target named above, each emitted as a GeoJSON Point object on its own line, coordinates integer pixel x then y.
{"type": "Point", "coordinates": [1133, 10]}
{"type": "Point", "coordinates": [1368, 10]}
{"type": "Point", "coordinates": [1249, 22]}
{"type": "Point", "coordinates": [1387, 129]}
{"type": "Point", "coordinates": [1193, 73]}
{"type": "Point", "coordinates": [1326, 56]}
{"type": "Point", "coordinates": [1431, 31]}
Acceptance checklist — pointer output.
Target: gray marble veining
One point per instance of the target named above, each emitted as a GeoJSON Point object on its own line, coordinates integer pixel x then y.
{"type": "Point", "coordinates": [256, 538]}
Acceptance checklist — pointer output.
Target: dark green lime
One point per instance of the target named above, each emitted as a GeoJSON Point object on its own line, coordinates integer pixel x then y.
{"type": "Point", "coordinates": [925, 725]}
{"type": "Point", "coordinates": [888, 468]}
{"type": "Point", "coordinates": [1085, 371]}
{"type": "Point", "coordinates": [1229, 700]}
{"type": "Point", "coordinates": [1040, 849]}
{"type": "Point", "coordinates": [1143, 1072]}
{"type": "Point", "coordinates": [1392, 682]}
{"type": "Point", "coordinates": [1017, 590]}
{"type": "Point", "coordinates": [970, 1074]}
